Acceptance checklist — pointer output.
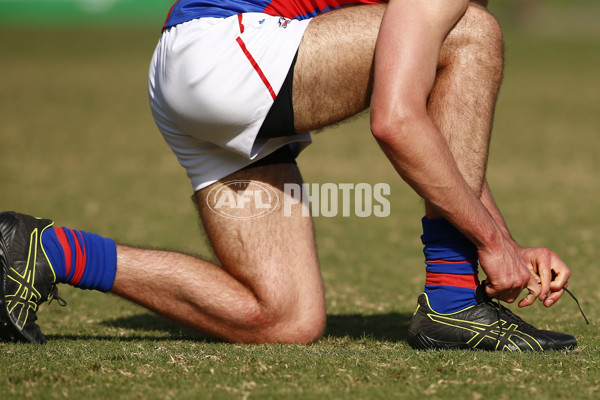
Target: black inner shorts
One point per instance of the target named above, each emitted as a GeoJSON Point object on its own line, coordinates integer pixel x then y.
{"type": "Point", "coordinates": [280, 122]}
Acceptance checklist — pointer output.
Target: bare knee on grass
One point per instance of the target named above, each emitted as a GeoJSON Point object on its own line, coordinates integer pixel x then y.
{"type": "Point", "coordinates": [272, 323]}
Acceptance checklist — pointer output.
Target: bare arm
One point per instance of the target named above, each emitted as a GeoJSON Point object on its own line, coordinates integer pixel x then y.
{"type": "Point", "coordinates": [406, 59]}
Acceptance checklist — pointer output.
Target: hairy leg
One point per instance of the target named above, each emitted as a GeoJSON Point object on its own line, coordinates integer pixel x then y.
{"type": "Point", "coordinates": [333, 80]}
{"type": "Point", "coordinates": [268, 287]}
{"type": "Point", "coordinates": [333, 77]}
{"type": "Point", "coordinates": [463, 98]}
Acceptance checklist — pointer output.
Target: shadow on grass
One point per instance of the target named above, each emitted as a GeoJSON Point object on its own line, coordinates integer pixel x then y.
{"type": "Point", "coordinates": [142, 327]}
{"type": "Point", "coordinates": [385, 327]}
{"type": "Point", "coordinates": [390, 327]}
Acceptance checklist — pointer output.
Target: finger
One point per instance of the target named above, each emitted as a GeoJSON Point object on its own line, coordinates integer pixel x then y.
{"type": "Point", "coordinates": [491, 291]}
{"type": "Point", "coordinates": [553, 298]}
{"type": "Point", "coordinates": [544, 270]}
{"type": "Point", "coordinates": [534, 288]}
{"type": "Point", "coordinates": [509, 297]}
{"type": "Point", "coordinates": [506, 295]}
{"type": "Point", "coordinates": [502, 291]}
{"type": "Point", "coordinates": [561, 273]}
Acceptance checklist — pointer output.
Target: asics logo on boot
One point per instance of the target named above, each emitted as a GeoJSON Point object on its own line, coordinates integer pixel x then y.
{"type": "Point", "coordinates": [26, 297]}
{"type": "Point", "coordinates": [498, 330]}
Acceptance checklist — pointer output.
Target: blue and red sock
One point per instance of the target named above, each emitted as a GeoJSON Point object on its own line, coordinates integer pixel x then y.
{"type": "Point", "coordinates": [452, 267]}
{"type": "Point", "coordinates": [81, 259]}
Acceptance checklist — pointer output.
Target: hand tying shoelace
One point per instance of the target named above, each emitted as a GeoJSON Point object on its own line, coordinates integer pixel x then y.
{"type": "Point", "coordinates": [484, 283]}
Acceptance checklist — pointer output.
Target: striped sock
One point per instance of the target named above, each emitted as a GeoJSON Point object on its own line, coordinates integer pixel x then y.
{"type": "Point", "coordinates": [81, 259]}
{"type": "Point", "coordinates": [452, 267]}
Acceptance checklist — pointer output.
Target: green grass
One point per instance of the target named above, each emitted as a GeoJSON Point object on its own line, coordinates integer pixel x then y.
{"type": "Point", "coordinates": [77, 144]}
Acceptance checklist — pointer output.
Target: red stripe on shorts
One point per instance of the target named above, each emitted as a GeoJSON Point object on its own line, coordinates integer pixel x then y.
{"type": "Point", "coordinates": [256, 67]}
{"type": "Point", "coordinates": [470, 281]}
{"type": "Point", "coordinates": [240, 22]}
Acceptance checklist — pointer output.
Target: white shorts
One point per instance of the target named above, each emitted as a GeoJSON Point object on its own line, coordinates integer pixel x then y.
{"type": "Point", "coordinates": [211, 84]}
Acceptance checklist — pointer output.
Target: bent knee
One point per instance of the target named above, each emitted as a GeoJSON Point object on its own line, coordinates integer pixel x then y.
{"type": "Point", "coordinates": [477, 30]}
{"type": "Point", "coordinates": [303, 331]}
{"type": "Point", "coordinates": [475, 42]}
{"type": "Point", "coordinates": [480, 23]}
{"type": "Point", "coordinates": [287, 326]}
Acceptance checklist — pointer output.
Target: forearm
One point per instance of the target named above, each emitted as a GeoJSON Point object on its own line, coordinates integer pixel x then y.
{"type": "Point", "coordinates": [406, 57]}
{"type": "Point", "coordinates": [423, 159]}
{"type": "Point", "coordinates": [406, 60]}
{"type": "Point", "coordinates": [490, 204]}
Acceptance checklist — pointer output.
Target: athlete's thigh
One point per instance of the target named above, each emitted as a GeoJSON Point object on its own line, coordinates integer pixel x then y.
{"type": "Point", "coordinates": [263, 239]}
{"type": "Point", "coordinates": [333, 74]}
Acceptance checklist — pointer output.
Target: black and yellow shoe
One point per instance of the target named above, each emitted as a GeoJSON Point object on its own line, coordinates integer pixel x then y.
{"type": "Point", "coordinates": [26, 277]}
{"type": "Point", "coordinates": [485, 326]}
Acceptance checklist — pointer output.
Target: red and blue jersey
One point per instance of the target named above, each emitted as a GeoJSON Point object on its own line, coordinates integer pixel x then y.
{"type": "Point", "coordinates": [186, 10]}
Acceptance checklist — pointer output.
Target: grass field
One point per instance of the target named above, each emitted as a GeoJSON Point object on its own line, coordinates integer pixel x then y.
{"type": "Point", "coordinates": [77, 144]}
